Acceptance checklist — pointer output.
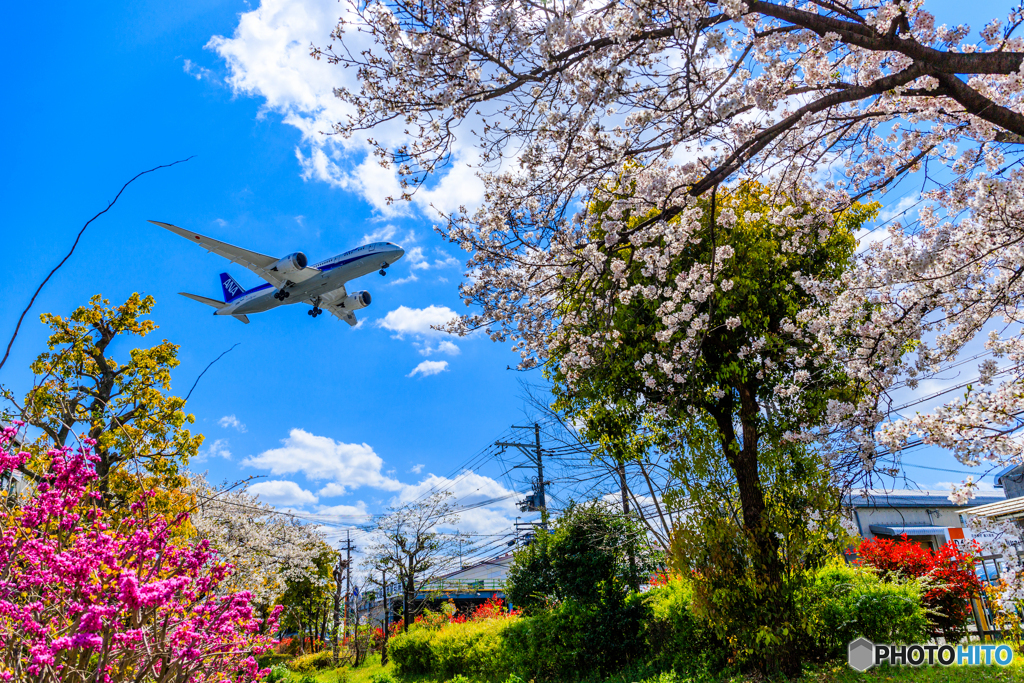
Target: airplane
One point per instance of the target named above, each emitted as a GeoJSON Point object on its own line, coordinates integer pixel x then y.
{"type": "Point", "coordinates": [291, 280]}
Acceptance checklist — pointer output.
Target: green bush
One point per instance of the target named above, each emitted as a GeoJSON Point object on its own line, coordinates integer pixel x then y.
{"type": "Point", "coordinates": [473, 648]}
{"type": "Point", "coordinates": [382, 677]}
{"type": "Point", "coordinates": [314, 661]}
{"type": "Point", "coordinates": [844, 603]}
{"type": "Point", "coordinates": [411, 652]}
{"type": "Point", "coordinates": [470, 649]}
{"type": "Point", "coordinates": [573, 640]}
{"type": "Point", "coordinates": [675, 637]}
{"type": "Point", "coordinates": [278, 673]}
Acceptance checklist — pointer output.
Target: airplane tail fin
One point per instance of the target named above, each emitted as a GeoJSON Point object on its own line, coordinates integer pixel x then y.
{"type": "Point", "coordinates": [214, 303]}
{"type": "Point", "coordinates": [204, 300]}
{"type": "Point", "coordinates": [232, 290]}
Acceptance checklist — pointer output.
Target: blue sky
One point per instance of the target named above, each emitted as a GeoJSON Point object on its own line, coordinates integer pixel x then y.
{"type": "Point", "coordinates": [81, 122]}
{"type": "Point", "coordinates": [330, 413]}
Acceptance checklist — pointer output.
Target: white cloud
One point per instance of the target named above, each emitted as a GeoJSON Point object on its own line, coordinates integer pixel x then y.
{"type": "Point", "coordinates": [419, 321]}
{"type": "Point", "coordinates": [416, 469]}
{"type": "Point", "coordinates": [196, 71]}
{"type": "Point", "coordinates": [231, 421]}
{"type": "Point", "coordinates": [332, 490]}
{"type": "Point", "coordinates": [321, 458]}
{"type": "Point", "coordinates": [470, 488]}
{"type": "Point", "coordinates": [429, 367]}
{"type": "Point", "coordinates": [444, 346]}
{"type": "Point", "coordinates": [355, 512]}
{"type": "Point", "coordinates": [282, 493]}
{"type": "Point", "coordinates": [418, 260]}
{"type": "Point", "coordinates": [381, 234]}
{"type": "Point", "coordinates": [267, 57]}
{"type": "Point", "coordinates": [217, 449]}
{"type": "Point", "coordinates": [404, 280]}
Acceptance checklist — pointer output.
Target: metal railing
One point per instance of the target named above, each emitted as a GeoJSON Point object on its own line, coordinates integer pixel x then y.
{"type": "Point", "coordinates": [463, 585]}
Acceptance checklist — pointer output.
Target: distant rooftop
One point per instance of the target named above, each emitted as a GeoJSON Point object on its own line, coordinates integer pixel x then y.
{"type": "Point", "coordinates": [912, 498]}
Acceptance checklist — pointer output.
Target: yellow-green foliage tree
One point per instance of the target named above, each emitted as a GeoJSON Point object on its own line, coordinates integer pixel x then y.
{"type": "Point", "coordinates": [83, 391]}
{"type": "Point", "coordinates": [757, 384]}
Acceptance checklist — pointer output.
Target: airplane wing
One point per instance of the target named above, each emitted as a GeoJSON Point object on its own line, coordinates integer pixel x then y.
{"type": "Point", "coordinates": [330, 303]}
{"type": "Point", "coordinates": [342, 314]}
{"type": "Point", "coordinates": [256, 262]}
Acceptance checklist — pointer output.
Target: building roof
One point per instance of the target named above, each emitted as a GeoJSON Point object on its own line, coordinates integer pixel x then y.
{"type": "Point", "coordinates": [499, 561]}
{"type": "Point", "coordinates": [886, 530]}
{"type": "Point", "coordinates": [998, 478]}
{"type": "Point", "coordinates": [1007, 508]}
{"type": "Point", "coordinates": [912, 498]}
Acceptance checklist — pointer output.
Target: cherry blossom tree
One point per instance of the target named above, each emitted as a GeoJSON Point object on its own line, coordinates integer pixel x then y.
{"type": "Point", "coordinates": [825, 102]}
{"type": "Point", "coordinates": [266, 547]}
{"type": "Point", "coordinates": [81, 600]}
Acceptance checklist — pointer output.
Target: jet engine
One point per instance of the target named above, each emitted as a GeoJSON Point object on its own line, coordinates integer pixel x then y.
{"type": "Point", "coordinates": [355, 301]}
{"type": "Point", "coordinates": [290, 263]}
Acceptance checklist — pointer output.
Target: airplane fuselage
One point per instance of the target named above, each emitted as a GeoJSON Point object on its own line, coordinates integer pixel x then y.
{"type": "Point", "coordinates": [335, 272]}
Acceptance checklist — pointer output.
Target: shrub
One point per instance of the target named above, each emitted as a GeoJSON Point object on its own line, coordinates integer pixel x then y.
{"type": "Point", "coordinates": [382, 677]}
{"type": "Point", "coordinates": [458, 679]}
{"type": "Point", "coordinates": [473, 649]}
{"type": "Point", "coordinates": [844, 603]}
{"type": "Point", "coordinates": [949, 574]}
{"type": "Point", "coordinates": [314, 661]}
{"type": "Point", "coordinates": [411, 651]}
{"type": "Point", "coordinates": [277, 674]}
{"type": "Point", "coordinates": [468, 648]}
{"type": "Point", "coordinates": [675, 637]}
{"type": "Point", "coordinates": [573, 640]}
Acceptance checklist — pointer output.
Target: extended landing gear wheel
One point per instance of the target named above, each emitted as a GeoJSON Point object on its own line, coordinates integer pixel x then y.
{"type": "Point", "coordinates": [281, 295]}
{"type": "Point", "coordinates": [314, 312]}
{"type": "Point", "coordinates": [383, 272]}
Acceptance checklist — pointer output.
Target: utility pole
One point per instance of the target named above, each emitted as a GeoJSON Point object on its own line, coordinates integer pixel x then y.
{"type": "Point", "coordinates": [387, 608]}
{"type": "Point", "coordinates": [533, 452]}
{"type": "Point", "coordinates": [338, 568]}
{"type": "Point", "coordinates": [542, 502]}
{"type": "Point", "coordinates": [348, 574]}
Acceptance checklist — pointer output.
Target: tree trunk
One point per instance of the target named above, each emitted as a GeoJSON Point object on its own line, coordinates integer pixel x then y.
{"type": "Point", "coordinates": [768, 566]}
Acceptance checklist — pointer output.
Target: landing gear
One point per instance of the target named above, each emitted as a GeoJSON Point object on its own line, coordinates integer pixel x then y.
{"type": "Point", "coordinates": [316, 310]}
{"type": "Point", "coordinates": [383, 267]}
{"type": "Point", "coordinates": [282, 294]}
{"type": "Point", "coordinates": [383, 272]}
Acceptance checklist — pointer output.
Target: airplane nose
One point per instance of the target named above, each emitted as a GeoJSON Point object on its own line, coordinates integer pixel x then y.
{"type": "Point", "coordinates": [398, 254]}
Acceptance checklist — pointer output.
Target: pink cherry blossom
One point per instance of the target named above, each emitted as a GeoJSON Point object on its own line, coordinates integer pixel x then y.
{"type": "Point", "coordinates": [83, 600]}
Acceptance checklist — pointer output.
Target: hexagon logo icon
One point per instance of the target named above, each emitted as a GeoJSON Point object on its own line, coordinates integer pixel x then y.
{"type": "Point", "coordinates": [861, 654]}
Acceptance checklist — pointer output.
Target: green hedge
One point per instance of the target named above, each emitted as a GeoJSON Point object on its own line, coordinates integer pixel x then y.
{"type": "Point", "coordinates": [844, 603]}
{"type": "Point", "coordinates": [574, 641]}
{"type": "Point", "coordinates": [675, 637]}
{"type": "Point", "coordinates": [315, 661]}
{"type": "Point", "coordinates": [473, 649]}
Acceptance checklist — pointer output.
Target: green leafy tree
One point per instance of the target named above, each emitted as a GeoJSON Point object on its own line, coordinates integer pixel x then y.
{"type": "Point", "coordinates": [308, 601]}
{"type": "Point", "coordinates": [592, 554]}
{"type": "Point", "coordinates": [124, 405]}
{"type": "Point", "coordinates": [758, 384]}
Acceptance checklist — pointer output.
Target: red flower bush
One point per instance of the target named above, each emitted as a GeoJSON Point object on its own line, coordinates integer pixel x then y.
{"type": "Point", "coordinates": [950, 573]}
{"type": "Point", "coordinates": [81, 600]}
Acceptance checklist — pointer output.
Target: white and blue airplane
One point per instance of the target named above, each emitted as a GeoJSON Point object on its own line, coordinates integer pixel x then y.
{"type": "Point", "coordinates": [291, 280]}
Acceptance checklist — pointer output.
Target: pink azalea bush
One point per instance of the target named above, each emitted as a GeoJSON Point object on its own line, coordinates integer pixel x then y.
{"type": "Point", "coordinates": [84, 600]}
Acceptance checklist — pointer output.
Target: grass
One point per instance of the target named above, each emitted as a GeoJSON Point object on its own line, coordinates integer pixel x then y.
{"type": "Point", "coordinates": [837, 672]}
